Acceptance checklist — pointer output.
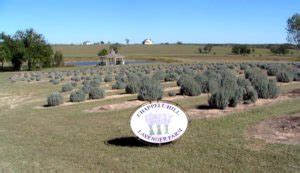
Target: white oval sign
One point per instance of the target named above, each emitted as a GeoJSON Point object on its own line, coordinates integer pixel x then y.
{"type": "Point", "coordinates": [159, 122]}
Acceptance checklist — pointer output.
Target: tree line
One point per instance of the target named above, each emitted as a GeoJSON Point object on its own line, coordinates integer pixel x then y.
{"type": "Point", "coordinates": [30, 48]}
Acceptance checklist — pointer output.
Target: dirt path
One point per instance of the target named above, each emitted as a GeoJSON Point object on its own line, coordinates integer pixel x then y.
{"type": "Point", "coordinates": [128, 104]}
{"type": "Point", "coordinates": [13, 101]}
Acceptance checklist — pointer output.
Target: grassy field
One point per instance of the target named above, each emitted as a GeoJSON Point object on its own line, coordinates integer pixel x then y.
{"type": "Point", "coordinates": [67, 139]}
{"type": "Point", "coordinates": [171, 53]}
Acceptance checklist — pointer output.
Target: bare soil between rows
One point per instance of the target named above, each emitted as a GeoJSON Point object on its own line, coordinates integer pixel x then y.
{"type": "Point", "coordinates": [282, 130]}
{"type": "Point", "coordinates": [127, 105]}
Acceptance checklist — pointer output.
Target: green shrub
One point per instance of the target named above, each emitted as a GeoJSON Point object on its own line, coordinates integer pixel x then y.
{"type": "Point", "coordinates": [213, 81]}
{"type": "Point", "coordinates": [261, 86]}
{"type": "Point", "coordinates": [172, 93]}
{"type": "Point", "coordinates": [213, 86]}
{"type": "Point", "coordinates": [133, 84]}
{"type": "Point", "coordinates": [252, 74]}
{"type": "Point", "coordinates": [67, 87]}
{"type": "Point", "coordinates": [240, 49]}
{"type": "Point", "coordinates": [96, 93]}
{"type": "Point", "coordinates": [119, 85]}
{"type": "Point", "coordinates": [98, 78]}
{"type": "Point", "coordinates": [108, 78]}
{"type": "Point", "coordinates": [159, 75]}
{"type": "Point", "coordinates": [244, 83]}
{"type": "Point", "coordinates": [296, 75]}
{"type": "Point", "coordinates": [250, 95]}
{"type": "Point", "coordinates": [228, 80]}
{"type": "Point", "coordinates": [236, 98]}
{"type": "Point", "coordinates": [55, 99]}
{"type": "Point", "coordinates": [86, 88]}
{"type": "Point", "coordinates": [203, 82]}
{"type": "Point", "coordinates": [121, 78]}
{"type": "Point", "coordinates": [190, 87]}
{"type": "Point", "coordinates": [38, 78]}
{"type": "Point", "coordinates": [273, 90]}
{"type": "Point", "coordinates": [76, 78]}
{"type": "Point", "coordinates": [171, 77]}
{"type": "Point", "coordinates": [219, 100]}
{"type": "Point", "coordinates": [132, 87]}
{"type": "Point", "coordinates": [74, 84]}
{"type": "Point", "coordinates": [284, 76]}
{"type": "Point", "coordinates": [150, 90]}
{"type": "Point", "coordinates": [133, 77]}
{"type": "Point", "coordinates": [55, 81]}
{"type": "Point", "coordinates": [94, 83]}
{"type": "Point", "coordinates": [265, 88]}
{"type": "Point", "coordinates": [183, 78]}
{"type": "Point", "coordinates": [273, 69]}
{"type": "Point", "coordinates": [77, 96]}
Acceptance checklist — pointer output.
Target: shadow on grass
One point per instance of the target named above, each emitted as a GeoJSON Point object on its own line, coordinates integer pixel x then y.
{"type": "Point", "coordinates": [46, 106]}
{"type": "Point", "coordinates": [130, 142]}
{"type": "Point", "coordinates": [6, 69]}
{"type": "Point", "coordinates": [127, 142]}
{"type": "Point", "coordinates": [203, 107]}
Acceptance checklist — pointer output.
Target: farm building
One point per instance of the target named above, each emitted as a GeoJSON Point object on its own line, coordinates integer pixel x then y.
{"type": "Point", "coordinates": [87, 43]}
{"type": "Point", "coordinates": [147, 42]}
{"type": "Point", "coordinates": [112, 59]}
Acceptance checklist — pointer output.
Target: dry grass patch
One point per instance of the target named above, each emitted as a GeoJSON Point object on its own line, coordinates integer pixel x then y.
{"type": "Point", "coordinates": [283, 129]}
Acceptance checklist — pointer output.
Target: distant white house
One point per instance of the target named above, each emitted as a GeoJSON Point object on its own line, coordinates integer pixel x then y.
{"type": "Point", "coordinates": [87, 43]}
{"type": "Point", "coordinates": [147, 42]}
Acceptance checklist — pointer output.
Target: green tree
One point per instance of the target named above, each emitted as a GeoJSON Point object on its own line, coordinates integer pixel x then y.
{"type": "Point", "coordinates": [127, 41]}
{"type": "Point", "coordinates": [58, 59]}
{"type": "Point", "coordinates": [102, 52]}
{"type": "Point", "coordinates": [207, 48]}
{"type": "Point", "coordinates": [27, 46]}
{"type": "Point", "coordinates": [293, 29]}
{"type": "Point", "coordinates": [2, 56]}
{"type": "Point", "coordinates": [14, 51]}
{"type": "Point", "coordinates": [116, 47]}
{"type": "Point", "coordinates": [282, 49]}
{"type": "Point", "coordinates": [200, 50]}
{"type": "Point", "coordinates": [241, 50]}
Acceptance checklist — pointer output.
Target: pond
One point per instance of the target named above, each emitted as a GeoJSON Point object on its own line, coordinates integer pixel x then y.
{"type": "Point", "coordinates": [94, 63]}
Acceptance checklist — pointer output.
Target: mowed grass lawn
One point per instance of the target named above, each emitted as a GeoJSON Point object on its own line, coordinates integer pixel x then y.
{"type": "Point", "coordinates": [66, 139]}
{"type": "Point", "coordinates": [171, 53]}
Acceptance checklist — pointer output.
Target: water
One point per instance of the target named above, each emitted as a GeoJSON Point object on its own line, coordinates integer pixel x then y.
{"type": "Point", "coordinates": [94, 63]}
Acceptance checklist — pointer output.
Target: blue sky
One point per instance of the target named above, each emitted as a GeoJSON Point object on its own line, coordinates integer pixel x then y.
{"type": "Point", "coordinates": [189, 21]}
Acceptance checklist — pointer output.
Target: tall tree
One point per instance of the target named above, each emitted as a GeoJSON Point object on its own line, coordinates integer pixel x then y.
{"type": "Point", "coordinates": [2, 51]}
{"type": "Point", "coordinates": [207, 48]}
{"type": "Point", "coordinates": [127, 40]}
{"type": "Point", "coordinates": [58, 59]}
{"type": "Point", "coordinates": [2, 55]}
{"type": "Point", "coordinates": [36, 50]}
{"type": "Point", "coordinates": [14, 51]}
{"type": "Point", "coordinates": [293, 29]}
{"type": "Point", "coordinates": [27, 46]}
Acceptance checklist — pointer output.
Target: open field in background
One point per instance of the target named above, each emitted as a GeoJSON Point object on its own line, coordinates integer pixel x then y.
{"type": "Point", "coordinates": [68, 139]}
{"type": "Point", "coordinates": [171, 53]}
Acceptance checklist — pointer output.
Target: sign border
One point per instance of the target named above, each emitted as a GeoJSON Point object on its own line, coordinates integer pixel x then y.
{"type": "Point", "coordinates": [160, 144]}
